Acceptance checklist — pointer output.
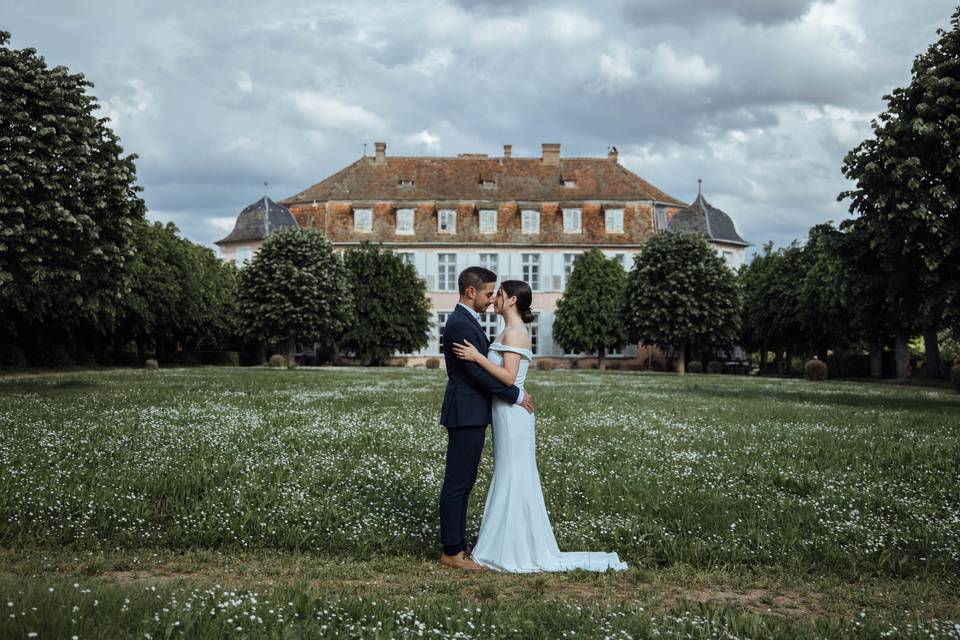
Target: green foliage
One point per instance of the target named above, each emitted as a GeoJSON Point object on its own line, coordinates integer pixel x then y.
{"type": "Point", "coordinates": [544, 365]}
{"type": "Point", "coordinates": [392, 309]}
{"type": "Point", "coordinates": [907, 187]}
{"type": "Point", "coordinates": [815, 370]}
{"type": "Point", "coordinates": [432, 363]}
{"type": "Point", "coordinates": [955, 377]}
{"type": "Point", "coordinates": [178, 291]}
{"type": "Point", "coordinates": [588, 315]}
{"type": "Point", "coordinates": [714, 367]}
{"type": "Point", "coordinates": [68, 198]}
{"type": "Point", "coordinates": [151, 363]}
{"type": "Point", "coordinates": [277, 360]}
{"type": "Point", "coordinates": [681, 292]}
{"type": "Point", "coordinates": [295, 287]}
{"type": "Point", "coordinates": [219, 358]}
{"type": "Point", "coordinates": [51, 354]}
{"type": "Point", "coordinates": [695, 366]}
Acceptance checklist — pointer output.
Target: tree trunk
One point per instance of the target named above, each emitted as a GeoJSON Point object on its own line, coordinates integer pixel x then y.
{"type": "Point", "coordinates": [681, 359]}
{"type": "Point", "coordinates": [900, 355]}
{"type": "Point", "coordinates": [931, 362]}
{"type": "Point", "coordinates": [291, 347]}
{"type": "Point", "coordinates": [876, 358]}
{"type": "Point", "coordinates": [763, 356]}
{"type": "Point", "coordinates": [601, 358]}
{"type": "Point", "coordinates": [778, 361]}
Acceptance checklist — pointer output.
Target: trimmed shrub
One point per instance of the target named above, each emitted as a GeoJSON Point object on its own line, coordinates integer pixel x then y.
{"type": "Point", "coordinates": [575, 363]}
{"type": "Point", "coordinates": [694, 366]}
{"type": "Point", "coordinates": [152, 364]}
{"type": "Point", "coordinates": [815, 370]}
{"type": "Point", "coordinates": [432, 363]}
{"type": "Point", "coordinates": [544, 365]}
{"type": "Point", "coordinates": [277, 360]}
{"type": "Point", "coordinates": [714, 367]}
{"type": "Point", "coordinates": [955, 377]}
{"type": "Point", "coordinates": [50, 354]}
{"type": "Point", "coordinates": [12, 356]}
{"type": "Point", "coordinates": [219, 358]}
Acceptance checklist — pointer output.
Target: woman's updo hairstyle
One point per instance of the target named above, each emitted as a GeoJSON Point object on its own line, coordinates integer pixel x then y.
{"type": "Point", "coordinates": [524, 296]}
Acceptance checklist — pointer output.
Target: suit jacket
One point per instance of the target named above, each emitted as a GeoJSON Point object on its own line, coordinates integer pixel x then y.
{"type": "Point", "coordinates": [466, 401]}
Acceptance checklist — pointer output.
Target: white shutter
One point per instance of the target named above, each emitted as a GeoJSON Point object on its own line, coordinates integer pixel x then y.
{"type": "Point", "coordinates": [431, 282]}
{"type": "Point", "coordinates": [557, 283]}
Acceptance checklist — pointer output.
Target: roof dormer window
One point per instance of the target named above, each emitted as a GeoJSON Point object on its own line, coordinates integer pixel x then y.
{"type": "Point", "coordinates": [486, 182]}
{"type": "Point", "coordinates": [404, 182]}
{"type": "Point", "coordinates": [569, 183]}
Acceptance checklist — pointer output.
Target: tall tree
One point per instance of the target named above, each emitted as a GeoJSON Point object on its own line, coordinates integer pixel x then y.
{"type": "Point", "coordinates": [680, 292]}
{"type": "Point", "coordinates": [391, 304]}
{"type": "Point", "coordinates": [907, 186]}
{"type": "Point", "coordinates": [588, 315]}
{"type": "Point", "coordinates": [295, 287]}
{"type": "Point", "coordinates": [68, 197]}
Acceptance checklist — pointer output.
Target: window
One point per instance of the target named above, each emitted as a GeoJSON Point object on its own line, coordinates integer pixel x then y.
{"type": "Point", "coordinates": [447, 271]}
{"type": "Point", "coordinates": [660, 219]}
{"type": "Point", "coordinates": [621, 258]}
{"type": "Point", "coordinates": [530, 221]}
{"type": "Point", "coordinates": [614, 220]}
{"type": "Point", "coordinates": [447, 221]}
{"type": "Point", "coordinates": [489, 323]}
{"type": "Point", "coordinates": [571, 220]}
{"type": "Point", "coordinates": [534, 333]}
{"type": "Point", "coordinates": [441, 321]}
{"type": "Point", "coordinates": [531, 270]}
{"type": "Point", "coordinates": [490, 261]}
{"type": "Point", "coordinates": [363, 220]}
{"type": "Point", "coordinates": [488, 220]}
{"type": "Point", "coordinates": [615, 352]}
{"type": "Point", "coordinates": [569, 183]}
{"type": "Point", "coordinates": [406, 183]}
{"type": "Point", "coordinates": [405, 222]}
{"type": "Point", "coordinates": [243, 255]}
{"type": "Point", "coordinates": [728, 256]}
{"type": "Point", "coordinates": [568, 260]}
{"type": "Point", "coordinates": [406, 257]}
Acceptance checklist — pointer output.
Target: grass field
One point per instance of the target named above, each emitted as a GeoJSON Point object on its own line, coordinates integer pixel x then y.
{"type": "Point", "coordinates": [265, 503]}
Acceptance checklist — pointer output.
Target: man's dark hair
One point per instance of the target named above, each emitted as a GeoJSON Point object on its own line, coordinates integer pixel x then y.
{"type": "Point", "coordinates": [475, 277]}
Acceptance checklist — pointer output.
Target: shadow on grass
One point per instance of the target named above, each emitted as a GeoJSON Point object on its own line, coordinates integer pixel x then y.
{"type": "Point", "coordinates": [878, 401]}
{"type": "Point", "coordinates": [45, 386]}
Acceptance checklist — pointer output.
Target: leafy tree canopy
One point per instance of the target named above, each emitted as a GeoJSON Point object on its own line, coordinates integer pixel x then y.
{"type": "Point", "coordinates": [588, 315]}
{"type": "Point", "coordinates": [68, 197]}
{"type": "Point", "coordinates": [681, 292]}
{"type": "Point", "coordinates": [392, 309]}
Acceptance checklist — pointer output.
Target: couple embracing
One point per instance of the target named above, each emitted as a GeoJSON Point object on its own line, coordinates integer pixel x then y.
{"type": "Point", "coordinates": [485, 385]}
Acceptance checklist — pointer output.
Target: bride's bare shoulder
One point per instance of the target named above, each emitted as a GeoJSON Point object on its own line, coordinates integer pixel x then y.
{"type": "Point", "coordinates": [517, 337]}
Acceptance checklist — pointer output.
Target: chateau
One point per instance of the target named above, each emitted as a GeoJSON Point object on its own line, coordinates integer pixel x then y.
{"type": "Point", "coordinates": [524, 218]}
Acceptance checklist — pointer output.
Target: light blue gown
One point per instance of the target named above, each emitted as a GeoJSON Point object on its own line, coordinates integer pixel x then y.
{"type": "Point", "coordinates": [515, 534]}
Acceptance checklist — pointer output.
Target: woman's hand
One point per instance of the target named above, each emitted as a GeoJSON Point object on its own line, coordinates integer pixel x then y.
{"type": "Point", "coordinates": [467, 352]}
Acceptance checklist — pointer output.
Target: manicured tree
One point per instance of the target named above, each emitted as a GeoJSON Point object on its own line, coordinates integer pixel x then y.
{"type": "Point", "coordinates": [681, 292]}
{"type": "Point", "coordinates": [756, 279]}
{"type": "Point", "coordinates": [907, 186]}
{"type": "Point", "coordinates": [391, 304]}
{"type": "Point", "coordinates": [588, 314]}
{"type": "Point", "coordinates": [68, 198]}
{"type": "Point", "coordinates": [295, 287]}
{"type": "Point", "coordinates": [825, 320]}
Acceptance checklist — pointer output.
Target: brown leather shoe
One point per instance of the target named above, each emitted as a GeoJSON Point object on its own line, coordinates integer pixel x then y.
{"type": "Point", "coordinates": [459, 561]}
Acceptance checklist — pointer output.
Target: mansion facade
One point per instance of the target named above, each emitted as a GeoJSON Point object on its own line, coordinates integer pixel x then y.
{"type": "Point", "coordinates": [523, 218]}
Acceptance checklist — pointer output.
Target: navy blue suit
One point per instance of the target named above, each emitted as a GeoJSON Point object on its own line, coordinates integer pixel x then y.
{"type": "Point", "coordinates": [465, 414]}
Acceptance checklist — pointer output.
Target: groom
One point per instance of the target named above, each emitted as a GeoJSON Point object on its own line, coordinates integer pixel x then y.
{"type": "Point", "coordinates": [466, 412]}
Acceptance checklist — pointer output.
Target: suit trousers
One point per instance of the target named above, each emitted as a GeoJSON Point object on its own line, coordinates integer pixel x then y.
{"type": "Point", "coordinates": [464, 448]}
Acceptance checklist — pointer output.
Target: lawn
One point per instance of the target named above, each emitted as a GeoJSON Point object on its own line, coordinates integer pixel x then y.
{"type": "Point", "coordinates": [273, 503]}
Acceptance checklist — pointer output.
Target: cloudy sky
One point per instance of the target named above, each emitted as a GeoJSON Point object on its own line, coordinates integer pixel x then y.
{"type": "Point", "coordinates": [760, 98]}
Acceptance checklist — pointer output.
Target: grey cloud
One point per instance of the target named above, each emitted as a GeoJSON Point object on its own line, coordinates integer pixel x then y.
{"type": "Point", "coordinates": [694, 12]}
{"type": "Point", "coordinates": [206, 146]}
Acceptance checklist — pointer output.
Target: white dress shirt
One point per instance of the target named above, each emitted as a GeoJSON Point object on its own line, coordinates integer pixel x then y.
{"type": "Point", "coordinates": [476, 316]}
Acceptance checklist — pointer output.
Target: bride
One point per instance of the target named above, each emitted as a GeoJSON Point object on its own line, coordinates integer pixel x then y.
{"type": "Point", "coordinates": [515, 534]}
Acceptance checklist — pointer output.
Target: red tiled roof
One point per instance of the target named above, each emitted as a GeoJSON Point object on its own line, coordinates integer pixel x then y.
{"type": "Point", "coordinates": [516, 179]}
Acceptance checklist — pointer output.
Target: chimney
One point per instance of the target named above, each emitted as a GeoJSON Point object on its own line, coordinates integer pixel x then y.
{"type": "Point", "coordinates": [551, 154]}
{"type": "Point", "coordinates": [381, 156]}
{"type": "Point", "coordinates": [612, 154]}
{"type": "Point", "coordinates": [507, 151]}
